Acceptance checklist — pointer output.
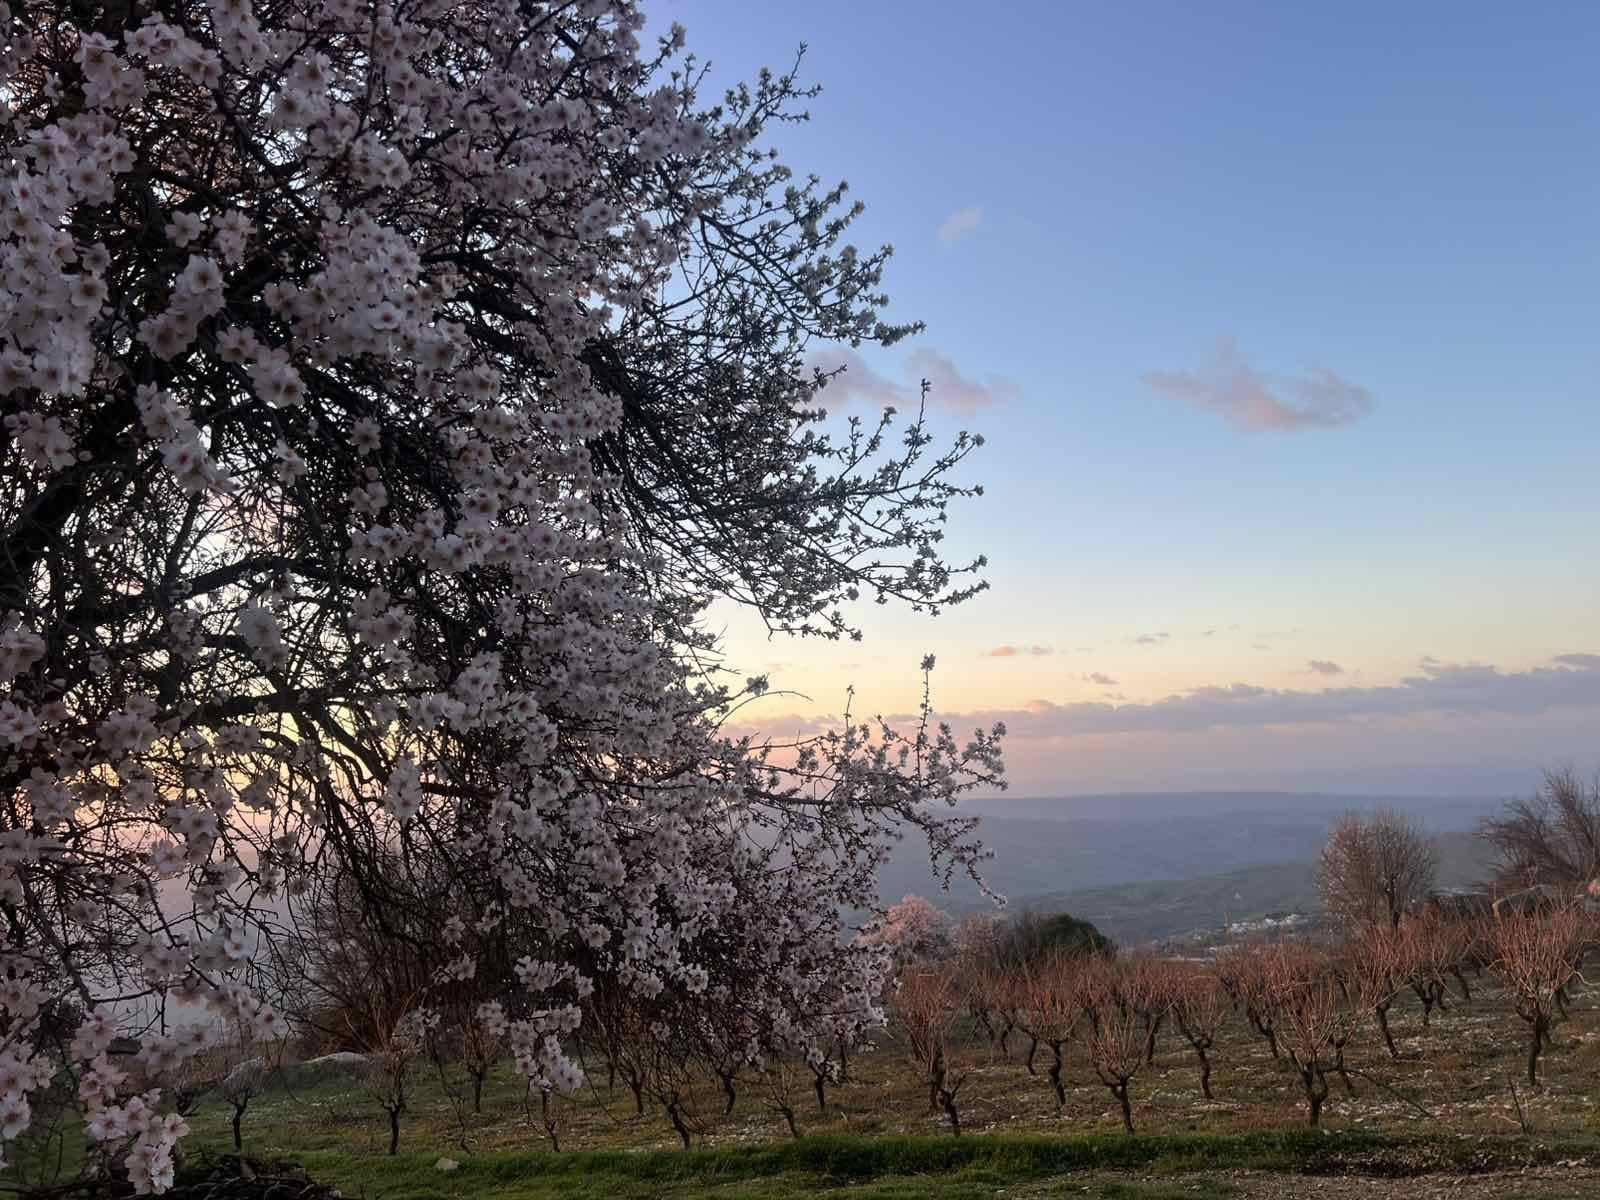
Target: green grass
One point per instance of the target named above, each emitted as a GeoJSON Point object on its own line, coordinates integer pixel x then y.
{"type": "Point", "coordinates": [895, 1167]}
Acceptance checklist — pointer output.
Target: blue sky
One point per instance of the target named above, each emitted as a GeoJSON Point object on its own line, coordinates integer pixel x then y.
{"type": "Point", "coordinates": [1393, 208]}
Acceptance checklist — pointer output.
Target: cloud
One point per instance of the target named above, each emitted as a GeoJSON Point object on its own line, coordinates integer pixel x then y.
{"type": "Point", "coordinates": [960, 223]}
{"type": "Point", "coordinates": [1250, 401]}
{"type": "Point", "coordinates": [1587, 662]}
{"type": "Point", "coordinates": [1323, 667]}
{"type": "Point", "coordinates": [948, 388]}
{"type": "Point", "coordinates": [1101, 678]}
{"type": "Point", "coordinates": [1009, 651]}
{"type": "Point", "coordinates": [1441, 689]}
{"type": "Point", "coordinates": [1151, 639]}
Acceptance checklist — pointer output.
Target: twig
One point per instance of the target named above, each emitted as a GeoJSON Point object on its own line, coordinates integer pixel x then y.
{"type": "Point", "coordinates": [1393, 1091]}
{"type": "Point", "coordinates": [1522, 1115]}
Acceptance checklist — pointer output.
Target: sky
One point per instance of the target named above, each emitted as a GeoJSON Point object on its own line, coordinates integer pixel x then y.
{"type": "Point", "coordinates": [1279, 321]}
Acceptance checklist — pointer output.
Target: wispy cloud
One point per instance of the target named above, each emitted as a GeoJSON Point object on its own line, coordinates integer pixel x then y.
{"type": "Point", "coordinates": [960, 223]}
{"type": "Point", "coordinates": [1009, 651]}
{"type": "Point", "coordinates": [1323, 666]}
{"type": "Point", "coordinates": [948, 387]}
{"type": "Point", "coordinates": [1588, 662]}
{"type": "Point", "coordinates": [1453, 689]}
{"type": "Point", "coordinates": [1248, 400]}
{"type": "Point", "coordinates": [1151, 639]}
{"type": "Point", "coordinates": [1413, 713]}
{"type": "Point", "coordinates": [1101, 678]}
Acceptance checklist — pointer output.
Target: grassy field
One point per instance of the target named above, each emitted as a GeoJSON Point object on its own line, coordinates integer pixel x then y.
{"type": "Point", "coordinates": [1446, 1107]}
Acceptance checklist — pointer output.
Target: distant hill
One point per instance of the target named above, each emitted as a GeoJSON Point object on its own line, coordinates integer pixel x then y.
{"type": "Point", "coordinates": [1132, 913]}
{"type": "Point", "coordinates": [1143, 867]}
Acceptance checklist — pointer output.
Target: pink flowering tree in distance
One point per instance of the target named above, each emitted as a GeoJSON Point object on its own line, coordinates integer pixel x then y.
{"type": "Point", "coordinates": [387, 389]}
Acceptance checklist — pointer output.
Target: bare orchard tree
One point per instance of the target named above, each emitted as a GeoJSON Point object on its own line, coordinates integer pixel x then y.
{"type": "Point", "coordinates": [247, 1064]}
{"type": "Point", "coordinates": [1114, 1002]}
{"type": "Point", "coordinates": [926, 1004]}
{"type": "Point", "coordinates": [1551, 839]}
{"type": "Point", "coordinates": [1201, 1007]}
{"type": "Point", "coordinates": [1535, 956]}
{"type": "Point", "coordinates": [1375, 868]}
{"type": "Point", "coordinates": [1242, 969]}
{"type": "Point", "coordinates": [1378, 963]}
{"type": "Point", "coordinates": [1051, 1009]}
{"type": "Point", "coordinates": [391, 1061]}
{"type": "Point", "coordinates": [1431, 951]}
{"type": "Point", "coordinates": [1314, 1018]}
{"type": "Point", "coordinates": [388, 391]}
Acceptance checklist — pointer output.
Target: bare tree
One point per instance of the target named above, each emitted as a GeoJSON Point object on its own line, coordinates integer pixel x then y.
{"type": "Point", "coordinates": [1432, 951]}
{"type": "Point", "coordinates": [1049, 1012]}
{"type": "Point", "coordinates": [1243, 972]}
{"type": "Point", "coordinates": [390, 1062]}
{"type": "Point", "coordinates": [1535, 957]}
{"type": "Point", "coordinates": [926, 1005]}
{"type": "Point", "coordinates": [482, 1031]}
{"type": "Point", "coordinates": [780, 1083]}
{"type": "Point", "coordinates": [1551, 839]}
{"type": "Point", "coordinates": [1377, 965]}
{"type": "Point", "coordinates": [1152, 987]}
{"type": "Point", "coordinates": [248, 1062]}
{"type": "Point", "coordinates": [1313, 1018]}
{"type": "Point", "coordinates": [1375, 868]}
{"type": "Point", "coordinates": [1114, 1001]}
{"type": "Point", "coordinates": [1201, 1007]}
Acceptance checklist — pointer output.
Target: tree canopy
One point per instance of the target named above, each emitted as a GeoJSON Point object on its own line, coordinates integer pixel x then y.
{"type": "Point", "coordinates": [387, 390]}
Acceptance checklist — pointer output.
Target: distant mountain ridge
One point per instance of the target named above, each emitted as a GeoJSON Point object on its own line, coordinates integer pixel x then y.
{"type": "Point", "coordinates": [1133, 913]}
{"type": "Point", "coordinates": [1101, 849]}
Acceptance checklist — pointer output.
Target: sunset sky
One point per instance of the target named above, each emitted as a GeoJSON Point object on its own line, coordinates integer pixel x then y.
{"type": "Point", "coordinates": [1280, 321]}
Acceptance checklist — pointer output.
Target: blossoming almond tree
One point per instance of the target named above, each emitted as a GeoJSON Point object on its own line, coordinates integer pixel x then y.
{"type": "Point", "coordinates": [387, 388]}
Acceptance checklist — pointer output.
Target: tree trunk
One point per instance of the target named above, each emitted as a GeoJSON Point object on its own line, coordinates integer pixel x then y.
{"type": "Point", "coordinates": [1205, 1072]}
{"type": "Point", "coordinates": [1461, 982]}
{"type": "Point", "coordinates": [727, 1090]}
{"type": "Point", "coordinates": [1382, 1013]}
{"type": "Point", "coordinates": [1265, 1030]}
{"type": "Point", "coordinates": [1316, 1086]}
{"type": "Point", "coordinates": [820, 1086]}
{"type": "Point", "coordinates": [477, 1093]}
{"type": "Point", "coordinates": [1535, 1044]}
{"type": "Point", "coordinates": [1055, 1076]}
{"type": "Point", "coordinates": [549, 1124]}
{"type": "Point", "coordinates": [947, 1099]}
{"type": "Point", "coordinates": [238, 1116]}
{"type": "Point", "coordinates": [394, 1131]}
{"type": "Point", "coordinates": [1344, 1076]}
{"type": "Point", "coordinates": [788, 1119]}
{"type": "Point", "coordinates": [636, 1086]}
{"type": "Point", "coordinates": [1033, 1048]}
{"type": "Point", "coordinates": [676, 1118]}
{"type": "Point", "coordinates": [1121, 1093]}
{"type": "Point", "coordinates": [1150, 1041]}
{"type": "Point", "coordinates": [1422, 997]}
